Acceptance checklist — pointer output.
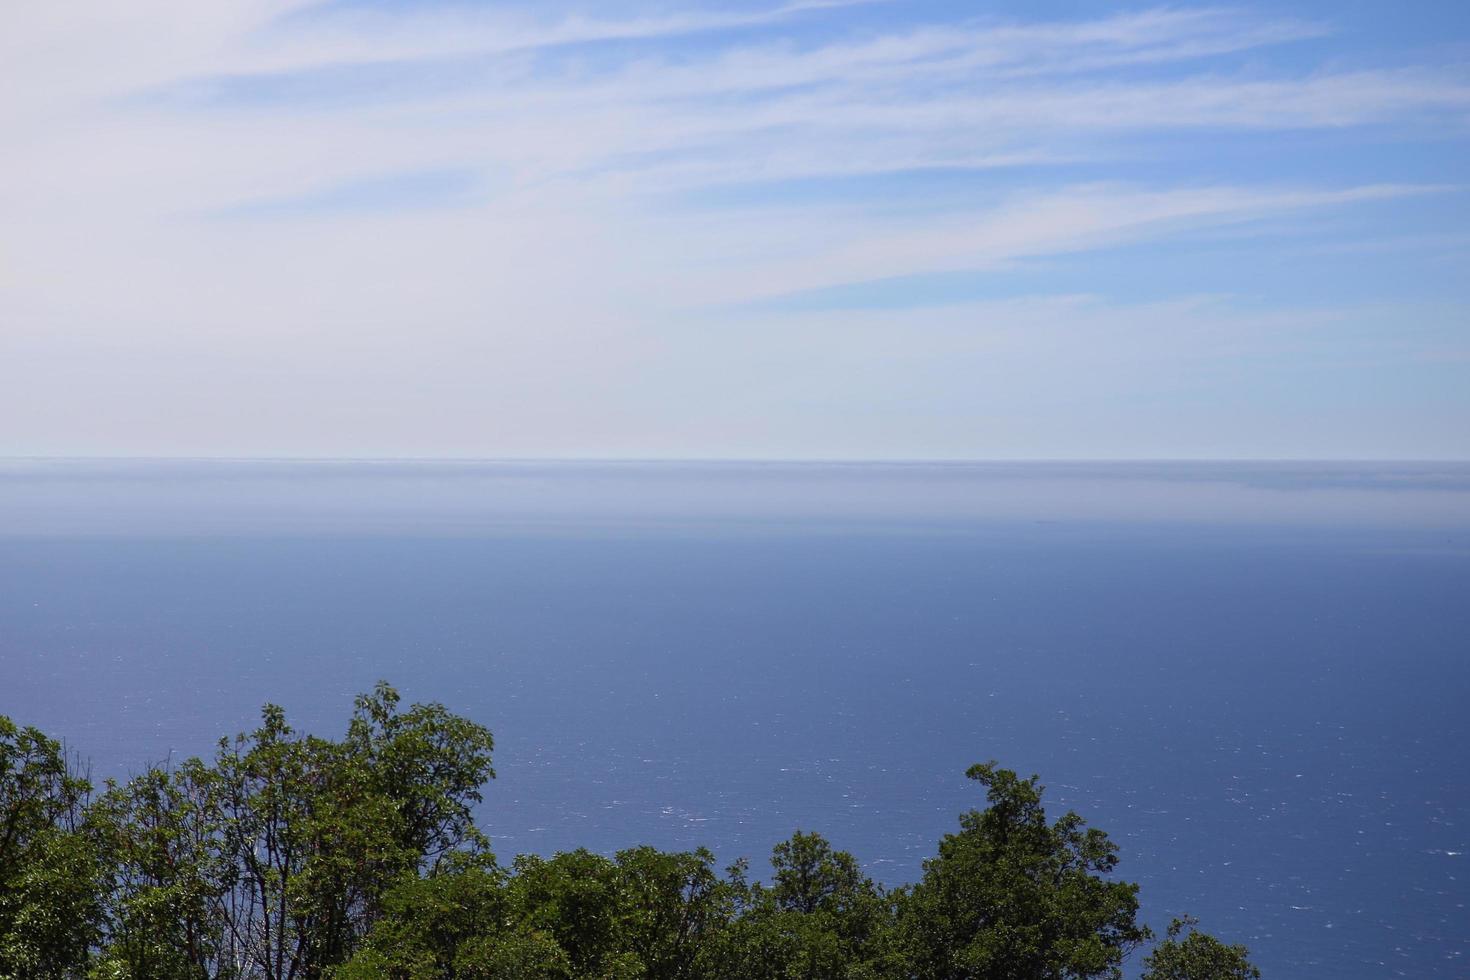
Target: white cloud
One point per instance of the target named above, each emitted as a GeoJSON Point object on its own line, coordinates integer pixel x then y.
{"type": "Point", "coordinates": [564, 305]}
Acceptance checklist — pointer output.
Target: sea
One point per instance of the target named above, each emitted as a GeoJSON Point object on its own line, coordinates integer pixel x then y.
{"type": "Point", "coordinates": [1255, 676]}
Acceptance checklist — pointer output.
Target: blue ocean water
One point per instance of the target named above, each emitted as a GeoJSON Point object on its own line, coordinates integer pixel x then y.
{"type": "Point", "coordinates": [1254, 676]}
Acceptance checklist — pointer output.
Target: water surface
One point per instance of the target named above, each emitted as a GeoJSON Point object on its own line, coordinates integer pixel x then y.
{"type": "Point", "coordinates": [1252, 675]}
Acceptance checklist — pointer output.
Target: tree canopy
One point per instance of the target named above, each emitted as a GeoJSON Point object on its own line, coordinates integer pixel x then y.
{"type": "Point", "coordinates": [288, 856]}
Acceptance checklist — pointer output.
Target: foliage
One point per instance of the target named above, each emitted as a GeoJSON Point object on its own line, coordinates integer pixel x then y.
{"type": "Point", "coordinates": [820, 918]}
{"type": "Point", "coordinates": [167, 875]}
{"type": "Point", "coordinates": [1197, 957]}
{"type": "Point", "coordinates": [274, 860]}
{"type": "Point", "coordinates": [289, 856]}
{"type": "Point", "coordinates": [1014, 896]}
{"type": "Point", "coordinates": [49, 904]}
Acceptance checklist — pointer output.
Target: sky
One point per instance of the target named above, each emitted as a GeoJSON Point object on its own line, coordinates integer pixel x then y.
{"type": "Point", "coordinates": [794, 229]}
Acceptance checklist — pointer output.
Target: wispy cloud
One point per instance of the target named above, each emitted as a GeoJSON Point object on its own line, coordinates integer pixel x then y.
{"type": "Point", "coordinates": [390, 192]}
{"type": "Point", "coordinates": [948, 96]}
{"type": "Point", "coordinates": [320, 34]}
{"type": "Point", "coordinates": [249, 188]}
{"type": "Point", "coordinates": [1068, 220]}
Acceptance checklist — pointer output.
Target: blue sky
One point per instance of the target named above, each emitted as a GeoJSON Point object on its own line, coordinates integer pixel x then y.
{"type": "Point", "coordinates": [812, 229]}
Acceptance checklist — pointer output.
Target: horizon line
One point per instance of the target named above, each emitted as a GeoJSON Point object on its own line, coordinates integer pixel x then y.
{"type": "Point", "coordinates": [750, 460]}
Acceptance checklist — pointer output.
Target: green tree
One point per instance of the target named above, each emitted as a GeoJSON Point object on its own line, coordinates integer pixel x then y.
{"type": "Point", "coordinates": [311, 847]}
{"type": "Point", "coordinates": [454, 924]}
{"type": "Point", "coordinates": [274, 862]}
{"type": "Point", "coordinates": [644, 913]}
{"type": "Point", "coordinates": [1198, 956]}
{"type": "Point", "coordinates": [820, 919]}
{"type": "Point", "coordinates": [50, 890]}
{"type": "Point", "coordinates": [810, 877]}
{"type": "Point", "coordinates": [1014, 896]}
{"type": "Point", "coordinates": [517, 955]}
{"type": "Point", "coordinates": [574, 899]}
{"type": "Point", "coordinates": [319, 831]}
{"type": "Point", "coordinates": [167, 876]}
{"type": "Point", "coordinates": [295, 857]}
{"type": "Point", "coordinates": [429, 763]}
{"type": "Point", "coordinates": [672, 903]}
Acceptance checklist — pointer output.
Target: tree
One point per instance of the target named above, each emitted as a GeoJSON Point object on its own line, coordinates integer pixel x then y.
{"type": "Point", "coordinates": [820, 919]}
{"type": "Point", "coordinates": [810, 877]}
{"type": "Point", "coordinates": [671, 904]}
{"type": "Point", "coordinates": [1014, 896]}
{"type": "Point", "coordinates": [274, 862]}
{"type": "Point", "coordinates": [294, 857]}
{"type": "Point", "coordinates": [312, 848]}
{"type": "Point", "coordinates": [429, 763]}
{"type": "Point", "coordinates": [454, 924]}
{"type": "Point", "coordinates": [50, 894]}
{"type": "Point", "coordinates": [644, 913]}
{"type": "Point", "coordinates": [1198, 956]}
{"type": "Point", "coordinates": [167, 875]}
{"type": "Point", "coordinates": [574, 899]}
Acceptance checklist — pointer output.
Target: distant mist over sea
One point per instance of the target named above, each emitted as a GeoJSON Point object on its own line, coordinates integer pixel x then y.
{"type": "Point", "coordinates": [145, 497]}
